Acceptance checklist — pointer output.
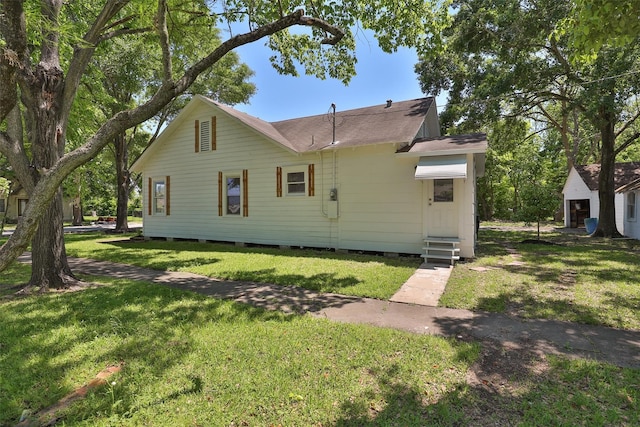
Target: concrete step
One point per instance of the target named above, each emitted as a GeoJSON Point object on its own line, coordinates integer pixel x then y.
{"type": "Point", "coordinates": [434, 256]}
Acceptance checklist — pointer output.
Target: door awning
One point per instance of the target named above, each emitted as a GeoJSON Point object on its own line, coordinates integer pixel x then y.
{"type": "Point", "coordinates": [442, 167]}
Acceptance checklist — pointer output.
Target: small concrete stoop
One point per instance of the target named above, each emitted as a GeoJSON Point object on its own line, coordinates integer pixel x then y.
{"type": "Point", "coordinates": [441, 249]}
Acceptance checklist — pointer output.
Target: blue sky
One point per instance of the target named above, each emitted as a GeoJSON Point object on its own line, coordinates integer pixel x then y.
{"type": "Point", "coordinates": [380, 76]}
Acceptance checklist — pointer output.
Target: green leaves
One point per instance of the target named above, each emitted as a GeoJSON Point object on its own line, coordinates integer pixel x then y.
{"type": "Point", "coordinates": [595, 24]}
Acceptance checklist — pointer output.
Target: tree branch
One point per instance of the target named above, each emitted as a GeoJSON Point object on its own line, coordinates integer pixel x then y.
{"type": "Point", "coordinates": [51, 179]}
{"type": "Point", "coordinates": [83, 53]}
{"type": "Point", "coordinates": [628, 124]}
{"type": "Point", "coordinates": [14, 152]}
{"type": "Point", "coordinates": [337, 33]}
{"type": "Point", "coordinates": [630, 140]}
{"type": "Point", "coordinates": [295, 18]}
{"type": "Point", "coordinates": [163, 33]}
{"type": "Point", "coordinates": [13, 30]}
{"type": "Point", "coordinates": [122, 32]}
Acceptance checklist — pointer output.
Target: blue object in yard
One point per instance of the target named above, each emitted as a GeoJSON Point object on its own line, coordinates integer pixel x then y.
{"type": "Point", "coordinates": [590, 224]}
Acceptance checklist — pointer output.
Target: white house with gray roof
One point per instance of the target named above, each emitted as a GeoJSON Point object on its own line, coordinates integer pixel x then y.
{"type": "Point", "coordinates": [581, 198]}
{"type": "Point", "coordinates": [378, 178]}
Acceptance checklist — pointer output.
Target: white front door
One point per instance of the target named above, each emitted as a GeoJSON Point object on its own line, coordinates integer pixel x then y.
{"type": "Point", "coordinates": [441, 215]}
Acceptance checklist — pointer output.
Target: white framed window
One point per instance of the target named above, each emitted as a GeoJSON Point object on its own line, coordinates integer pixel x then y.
{"type": "Point", "coordinates": [295, 180]}
{"type": "Point", "coordinates": [233, 195]}
{"type": "Point", "coordinates": [159, 196]}
{"type": "Point", "coordinates": [443, 190]}
{"type": "Point", "coordinates": [296, 183]}
{"type": "Point", "coordinates": [631, 206]}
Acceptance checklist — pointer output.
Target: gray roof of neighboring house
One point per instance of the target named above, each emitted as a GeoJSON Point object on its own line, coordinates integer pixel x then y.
{"type": "Point", "coordinates": [624, 174]}
{"type": "Point", "coordinates": [632, 186]}
{"type": "Point", "coordinates": [441, 145]}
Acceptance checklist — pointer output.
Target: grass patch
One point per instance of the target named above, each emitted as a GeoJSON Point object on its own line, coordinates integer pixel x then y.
{"type": "Point", "coordinates": [13, 278]}
{"type": "Point", "coordinates": [324, 271]}
{"type": "Point", "coordinates": [192, 360]}
{"type": "Point", "coordinates": [578, 279]}
{"type": "Point", "coordinates": [188, 359]}
{"type": "Point", "coordinates": [587, 391]}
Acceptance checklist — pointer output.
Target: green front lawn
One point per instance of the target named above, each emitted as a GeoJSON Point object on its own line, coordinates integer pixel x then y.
{"type": "Point", "coordinates": [578, 278]}
{"type": "Point", "coordinates": [187, 359]}
{"type": "Point", "coordinates": [324, 271]}
{"type": "Point", "coordinates": [191, 360]}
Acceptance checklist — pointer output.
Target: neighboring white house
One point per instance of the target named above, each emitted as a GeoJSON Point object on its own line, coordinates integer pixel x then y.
{"type": "Point", "coordinates": [581, 193]}
{"type": "Point", "coordinates": [12, 205]}
{"type": "Point", "coordinates": [379, 178]}
{"type": "Point", "coordinates": [631, 201]}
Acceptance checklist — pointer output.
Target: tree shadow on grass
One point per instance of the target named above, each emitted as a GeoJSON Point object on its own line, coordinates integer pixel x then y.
{"type": "Point", "coordinates": [321, 282]}
{"type": "Point", "coordinates": [258, 293]}
{"type": "Point", "coordinates": [506, 386]}
{"type": "Point", "coordinates": [556, 281]}
{"type": "Point", "coordinates": [43, 338]}
{"type": "Point", "coordinates": [553, 295]}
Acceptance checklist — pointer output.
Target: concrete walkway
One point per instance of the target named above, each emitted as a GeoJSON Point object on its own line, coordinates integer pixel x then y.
{"type": "Point", "coordinates": [425, 286]}
{"type": "Point", "coordinates": [615, 346]}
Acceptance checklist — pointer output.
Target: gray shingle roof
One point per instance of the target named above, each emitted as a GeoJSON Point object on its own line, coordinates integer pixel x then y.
{"type": "Point", "coordinates": [257, 124]}
{"type": "Point", "coordinates": [397, 123]}
{"type": "Point", "coordinates": [624, 174]}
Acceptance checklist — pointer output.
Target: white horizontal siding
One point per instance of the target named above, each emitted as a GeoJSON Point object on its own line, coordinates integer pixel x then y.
{"type": "Point", "coordinates": [194, 189]}
{"type": "Point", "coordinates": [380, 201]}
{"type": "Point", "coordinates": [468, 211]}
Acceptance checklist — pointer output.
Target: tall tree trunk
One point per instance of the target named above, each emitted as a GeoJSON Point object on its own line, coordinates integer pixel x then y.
{"type": "Point", "coordinates": [564, 136]}
{"type": "Point", "coordinates": [122, 177]}
{"type": "Point", "coordinates": [49, 265]}
{"type": "Point", "coordinates": [77, 202]}
{"type": "Point", "coordinates": [606, 186]}
{"type": "Point", "coordinates": [77, 211]}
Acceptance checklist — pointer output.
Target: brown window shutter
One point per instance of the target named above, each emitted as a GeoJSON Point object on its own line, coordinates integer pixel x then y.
{"type": "Point", "coordinates": [245, 192]}
{"type": "Point", "coordinates": [278, 182]}
{"type": "Point", "coordinates": [197, 136]}
{"type": "Point", "coordinates": [167, 195]}
{"type": "Point", "coordinates": [150, 196]}
{"type": "Point", "coordinates": [312, 190]}
{"type": "Point", "coordinates": [213, 133]}
{"type": "Point", "coordinates": [219, 193]}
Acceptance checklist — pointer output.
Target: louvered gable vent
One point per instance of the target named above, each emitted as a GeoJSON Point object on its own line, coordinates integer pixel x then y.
{"type": "Point", "coordinates": [205, 136]}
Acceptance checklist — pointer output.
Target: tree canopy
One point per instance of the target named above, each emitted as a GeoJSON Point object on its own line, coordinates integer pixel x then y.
{"type": "Point", "coordinates": [504, 58]}
{"type": "Point", "coordinates": [593, 24]}
{"type": "Point", "coordinates": [48, 46]}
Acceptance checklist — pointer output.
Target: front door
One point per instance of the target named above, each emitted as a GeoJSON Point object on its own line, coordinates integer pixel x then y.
{"type": "Point", "coordinates": [441, 215]}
